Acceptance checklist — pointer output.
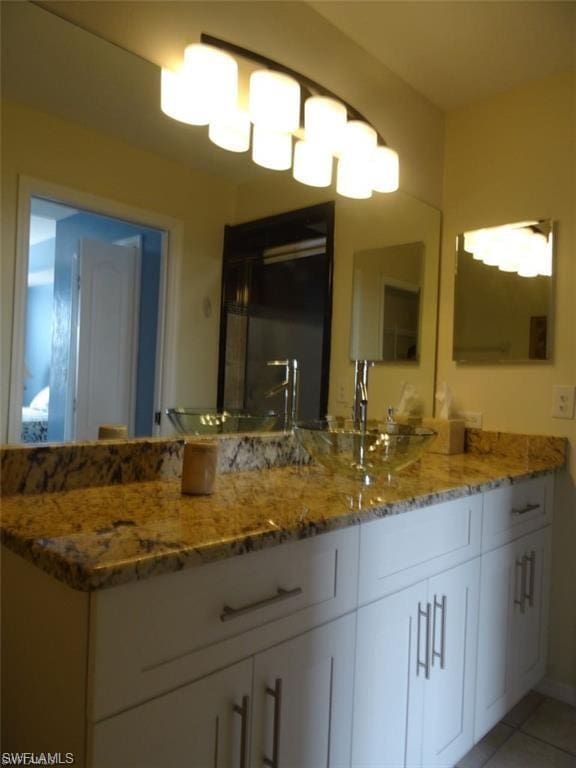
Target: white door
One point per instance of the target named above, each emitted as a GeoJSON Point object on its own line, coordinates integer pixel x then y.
{"type": "Point", "coordinates": [499, 588]}
{"type": "Point", "coordinates": [303, 700]}
{"type": "Point", "coordinates": [530, 642]}
{"type": "Point", "coordinates": [388, 694]}
{"type": "Point", "coordinates": [448, 732]}
{"type": "Point", "coordinates": [202, 725]}
{"type": "Point", "coordinates": [107, 337]}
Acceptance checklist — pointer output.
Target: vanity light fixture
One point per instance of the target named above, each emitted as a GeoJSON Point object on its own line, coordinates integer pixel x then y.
{"type": "Point", "coordinates": [204, 91]}
{"type": "Point", "coordinates": [522, 248]}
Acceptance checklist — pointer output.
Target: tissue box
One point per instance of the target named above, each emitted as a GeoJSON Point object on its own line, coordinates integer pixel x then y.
{"type": "Point", "coordinates": [450, 438]}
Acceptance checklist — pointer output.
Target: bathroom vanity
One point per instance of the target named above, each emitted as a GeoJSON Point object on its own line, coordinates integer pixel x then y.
{"type": "Point", "coordinates": [291, 620]}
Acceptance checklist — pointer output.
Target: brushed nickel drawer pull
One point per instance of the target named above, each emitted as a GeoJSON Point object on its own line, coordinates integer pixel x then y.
{"type": "Point", "coordinates": [521, 601]}
{"type": "Point", "coordinates": [229, 613]}
{"type": "Point", "coordinates": [276, 694]}
{"type": "Point", "coordinates": [243, 712]}
{"type": "Point", "coordinates": [439, 604]}
{"type": "Point", "coordinates": [531, 559]}
{"type": "Point", "coordinates": [524, 510]}
{"type": "Point", "coordinates": [426, 663]}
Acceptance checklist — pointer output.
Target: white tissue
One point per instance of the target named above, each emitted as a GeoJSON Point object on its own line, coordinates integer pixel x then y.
{"type": "Point", "coordinates": [409, 401]}
{"type": "Point", "coordinates": [445, 400]}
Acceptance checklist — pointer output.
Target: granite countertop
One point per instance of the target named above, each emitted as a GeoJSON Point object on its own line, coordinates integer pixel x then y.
{"type": "Point", "coordinates": [97, 537]}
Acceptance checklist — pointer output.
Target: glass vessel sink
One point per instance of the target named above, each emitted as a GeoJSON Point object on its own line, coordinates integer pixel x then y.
{"type": "Point", "coordinates": [206, 421]}
{"type": "Point", "coordinates": [378, 453]}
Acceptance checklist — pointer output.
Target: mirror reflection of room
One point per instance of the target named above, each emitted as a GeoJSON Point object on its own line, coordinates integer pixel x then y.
{"type": "Point", "coordinates": [55, 101]}
{"type": "Point", "coordinates": [504, 294]}
{"type": "Point", "coordinates": [386, 303]}
{"type": "Point", "coordinates": [92, 304]}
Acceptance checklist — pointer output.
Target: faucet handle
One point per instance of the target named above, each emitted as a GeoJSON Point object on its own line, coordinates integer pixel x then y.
{"type": "Point", "coordinates": [285, 363]}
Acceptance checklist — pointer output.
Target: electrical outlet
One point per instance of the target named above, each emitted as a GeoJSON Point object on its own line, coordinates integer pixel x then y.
{"type": "Point", "coordinates": [563, 405]}
{"type": "Point", "coordinates": [341, 395]}
{"type": "Point", "coordinates": [472, 420]}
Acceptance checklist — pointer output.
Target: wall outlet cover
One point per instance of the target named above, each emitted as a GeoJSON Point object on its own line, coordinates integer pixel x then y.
{"type": "Point", "coordinates": [563, 402]}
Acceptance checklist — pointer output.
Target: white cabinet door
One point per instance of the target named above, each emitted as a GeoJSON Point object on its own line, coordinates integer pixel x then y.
{"type": "Point", "coordinates": [494, 677]}
{"type": "Point", "coordinates": [448, 731]}
{"type": "Point", "coordinates": [202, 725]}
{"type": "Point", "coordinates": [530, 642]}
{"type": "Point", "coordinates": [303, 700]}
{"type": "Point", "coordinates": [388, 690]}
{"type": "Point", "coordinates": [512, 638]}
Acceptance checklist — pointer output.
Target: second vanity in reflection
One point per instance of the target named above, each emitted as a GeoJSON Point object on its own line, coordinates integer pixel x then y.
{"type": "Point", "coordinates": [355, 647]}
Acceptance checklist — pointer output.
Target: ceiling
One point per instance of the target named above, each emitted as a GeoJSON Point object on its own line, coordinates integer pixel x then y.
{"type": "Point", "coordinates": [456, 53]}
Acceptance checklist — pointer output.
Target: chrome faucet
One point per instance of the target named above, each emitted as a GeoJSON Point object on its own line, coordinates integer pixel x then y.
{"type": "Point", "coordinates": [360, 407]}
{"type": "Point", "coordinates": [290, 387]}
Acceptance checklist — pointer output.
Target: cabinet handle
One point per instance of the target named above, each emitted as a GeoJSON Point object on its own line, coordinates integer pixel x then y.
{"type": "Point", "coordinates": [531, 559]}
{"type": "Point", "coordinates": [229, 613]}
{"type": "Point", "coordinates": [242, 710]}
{"type": "Point", "coordinates": [276, 694]}
{"type": "Point", "coordinates": [524, 510]}
{"type": "Point", "coordinates": [520, 563]}
{"type": "Point", "coordinates": [426, 663]}
{"type": "Point", "coordinates": [441, 604]}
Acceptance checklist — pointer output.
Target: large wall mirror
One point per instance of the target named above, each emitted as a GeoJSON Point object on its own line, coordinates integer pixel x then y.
{"type": "Point", "coordinates": [116, 191]}
{"type": "Point", "coordinates": [504, 294]}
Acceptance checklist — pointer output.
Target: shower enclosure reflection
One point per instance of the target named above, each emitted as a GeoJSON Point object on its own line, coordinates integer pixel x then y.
{"type": "Point", "coordinates": [277, 305]}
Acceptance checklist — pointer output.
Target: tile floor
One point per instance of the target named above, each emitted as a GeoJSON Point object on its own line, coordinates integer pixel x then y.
{"type": "Point", "coordinates": [538, 733]}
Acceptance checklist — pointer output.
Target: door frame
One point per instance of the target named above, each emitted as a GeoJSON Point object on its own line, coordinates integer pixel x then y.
{"type": "Point", "coordinates": [168, 305]}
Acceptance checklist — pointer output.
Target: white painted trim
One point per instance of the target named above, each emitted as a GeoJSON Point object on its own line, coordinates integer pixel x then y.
{"type": "Point", "coordinates": [135, 241]}
{"type": "Point", "coordinates": [560, 691]}
{"type": "Point", "coordinates": [169, 305]}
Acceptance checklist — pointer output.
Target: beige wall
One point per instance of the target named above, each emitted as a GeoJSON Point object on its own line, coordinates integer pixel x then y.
{"type": "Point", "coordinates": [44, 147]}
{"type": "Point", "coordinates": [362, 225]}
{"type": "Point", "coordinates": [510, 159]}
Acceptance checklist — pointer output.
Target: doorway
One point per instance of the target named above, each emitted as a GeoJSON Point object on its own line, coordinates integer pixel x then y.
{"type": "Point", "coordinates": [92, 342]}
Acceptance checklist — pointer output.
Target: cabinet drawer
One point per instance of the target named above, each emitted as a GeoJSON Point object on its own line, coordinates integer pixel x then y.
{"type": "Point", "coordinates": [403, 549]}
{"type": "Point", "coordinates": [154, 635]}
{"type": "Point", "coordinates": [515, 510]}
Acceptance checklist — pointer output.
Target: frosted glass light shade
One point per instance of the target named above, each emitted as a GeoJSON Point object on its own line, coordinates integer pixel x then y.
{"type": "Point", "coordinates": [312, 164]}
{"type": "Point", "coordinates": [357, 140]}
{"type": "Point", "coordinates": [205, 86]}
{"type": "Point", "coordinates": [354, 179]}
{"type": "Point", "coordinates": [324, 121]}
{"type": "Point", "coordinates": [174, 100]}
{"type": "Point", "coordinates": [231, 131]}
{"type": "Point", "coordinates": [274, 101]}
{"type": "Point", "coordinates": [212, 81]}
{"type": "Point", "coordinates": [271, 149]}
{"type": "Point", "coordinates": [385, 170]}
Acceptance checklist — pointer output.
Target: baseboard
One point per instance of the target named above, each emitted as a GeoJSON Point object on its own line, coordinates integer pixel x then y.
{"type": "Point", "coordinates": [560, 691]}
